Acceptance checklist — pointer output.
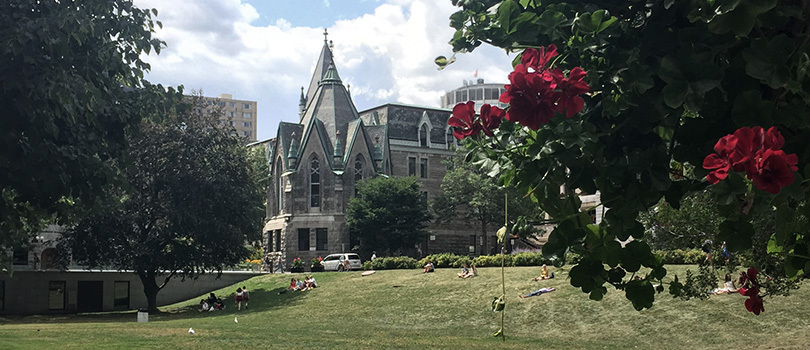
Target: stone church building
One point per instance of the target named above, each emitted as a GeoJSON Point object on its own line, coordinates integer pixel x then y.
{"type": "Point", "coordinates": [315, 165]}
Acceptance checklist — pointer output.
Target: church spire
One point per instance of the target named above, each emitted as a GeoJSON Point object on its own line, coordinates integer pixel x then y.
{"type": "Point", "coordinates": [324, 60]}
{"type": "Point", "coordinates": [302, 104]}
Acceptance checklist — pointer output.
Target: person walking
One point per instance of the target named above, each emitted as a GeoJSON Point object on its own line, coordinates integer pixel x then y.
{"type": "Point", "coordinates": [280, 264]}
{"type": "Point", "coordinates": [245, 296]}
{"type": "Point", "coordinates": [238, 298]}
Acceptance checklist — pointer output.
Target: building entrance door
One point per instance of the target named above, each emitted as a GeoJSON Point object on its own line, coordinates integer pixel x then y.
{"type": "Point", "coordinates": [89, 296]}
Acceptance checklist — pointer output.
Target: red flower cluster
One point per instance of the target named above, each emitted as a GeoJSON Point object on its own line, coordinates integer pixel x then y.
{"type": "Point", "coordinates": [756, 152]}
{"type": "Point", "coordinates": [536, 92]}
{"type": "Point", "coordinates": [466, 123]}
{"type": "Point", "coordinates": [754, 302]}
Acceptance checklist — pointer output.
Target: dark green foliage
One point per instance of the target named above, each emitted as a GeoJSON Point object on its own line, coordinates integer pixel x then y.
{"type": "Point", "coordinates": [667, 79]}
{"type": "Point", "coordinates": [387, 216]}
{"type": "Point", "coordinates": [390, 263]}
{"type": "Point", "coordinates": [189, 207]}
{"type": "Point", "coordinates": [72, 90]}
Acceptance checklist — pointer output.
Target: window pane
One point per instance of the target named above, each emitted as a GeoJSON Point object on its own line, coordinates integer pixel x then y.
{"type": "Point", "coordinates": [411, 166]}
{"type": "Point", "coordinates": [423, 170]}
{"type": "Point", "coordinates": [314, 183]}
{"type": "Point", "coordinates": [303, 239]}
{"type": "Point", "coordinates": [20, 257]}
{"type": "Point", "coordinates": [56, 295]}
{"type": "Point", "coordinates": [277, 234]}
{"type": "Point", "coordinates": [321, 239]}
{"type": "Point", "coordinates": [246, 106]}
{"type": "Point", "coordinates": [121, 295]}
{"type": "Point", "coordinates": [423, 136]}
{"type": "Point", "coordinates": [246, 115]}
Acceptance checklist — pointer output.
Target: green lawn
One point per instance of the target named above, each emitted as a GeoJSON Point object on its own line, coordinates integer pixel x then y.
{"type": "Point", "coordinates": [408, 309]}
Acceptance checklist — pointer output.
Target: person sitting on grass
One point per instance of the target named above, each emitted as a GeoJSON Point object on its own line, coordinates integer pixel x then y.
{"type": "Point", "coordinates": [310, 282]}
{"type": "Point", "coordinates": [464, 271]}
{"type": "Point", "coordinates": [538, 292]}
{"type": "Point", "coordinates": [728, 287]}
{"type": "Point", "coordinates": [204, 305]}
{"type": "Point", "coordinates": [429, 267]}
{"type": "Point", "coordinates": [472, 273]}
{"type": "Point", "coordinates": [544, 275]}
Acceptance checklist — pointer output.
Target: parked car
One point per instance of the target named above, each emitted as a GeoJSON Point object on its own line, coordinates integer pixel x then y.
{"type": "Point", "coordinates": [337, 262]}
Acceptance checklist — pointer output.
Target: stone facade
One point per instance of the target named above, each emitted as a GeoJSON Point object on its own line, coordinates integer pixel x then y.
{"type": "Point", "coordinates": [316, 163]}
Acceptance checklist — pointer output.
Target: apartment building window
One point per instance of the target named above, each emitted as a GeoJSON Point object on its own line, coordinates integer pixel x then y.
{"type": "Point", "coordinates": [232, 123]}
{"type": "Point", "coordinates": [246, 105]}
{"type": "Point", "coordinates": [423, 170]}
{"type": "Point", "coordinates": [56, 295]}
{"type": "Point", "coordinates": [233, 104]}
{"type": "Point", "coordinates": [232, 114]}
{"type": "Point", "coordinates": [247, 124]}
{"type": "Point", "coordinates": [303, 239]}
{"type": "Point", "coordinates": [411, 166]}
{"type": "Point", "coordinates": [320, 239]}
{"type": "Point", "coordinates": [247, 115]}
{"type": "Point", "coordinates": [246, 133]}
{"type": "Point", "coordinates": [121, 295]}
{"type": "Point", "coordinates": [221, 103]}
{"type": "Point", "coordinates": [314, 183]}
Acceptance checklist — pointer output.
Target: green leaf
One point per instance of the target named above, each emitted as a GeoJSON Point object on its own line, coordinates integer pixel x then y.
{"type": "Point", "coordinates": [767, 60]}
{"type": "Point", "coordinates": [640, 293]}
{"type": "Point", "coordinates": [737, 234]}
{"type": "Point", "coordinates": [593, 23]}
{"type": "Point", "coordinates": [508, 11]}
{"type": "Point", "coordinates": [739, 16]}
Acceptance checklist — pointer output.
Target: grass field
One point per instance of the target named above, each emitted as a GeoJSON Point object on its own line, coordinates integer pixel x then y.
{"type": "Point", "coordinates": [405, 309]}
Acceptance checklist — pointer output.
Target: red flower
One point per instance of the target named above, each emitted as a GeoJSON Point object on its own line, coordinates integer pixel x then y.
{"type": "Point", "coordinates": [463, 120]}
{"type": "Point", "coordinates": [774, 170]}
{"type": "Point", "coordinates": [720, 161]}
{"type": "Point", "coordinates": [490, 118]}
{"type": "Point", "coordinates": [569, 102]}
{"type": "Point", "coordinates": [538, 59]}
{"type": "Point", "coordinates": [754, 304]}
{"type": "Point", "coordinates": [756, 152]}
{"type": "Point", "coordinates": [530, 97]}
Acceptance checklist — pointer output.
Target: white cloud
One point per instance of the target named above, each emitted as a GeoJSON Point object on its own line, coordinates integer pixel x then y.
{"type": "Point", "coordinates": [386, 56]}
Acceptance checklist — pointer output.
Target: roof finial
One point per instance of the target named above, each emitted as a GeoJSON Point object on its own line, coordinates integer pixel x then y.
{"type": "Point", "coordinates": [325, 33]}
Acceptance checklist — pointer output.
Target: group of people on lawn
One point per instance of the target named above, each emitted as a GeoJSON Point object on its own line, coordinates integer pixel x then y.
{"type": "Point", "coordinates": [214, 303]}
{"type": "Point", "coordinates": [303, 285]}
{"type": "Point", "coordinates": [741, 284]}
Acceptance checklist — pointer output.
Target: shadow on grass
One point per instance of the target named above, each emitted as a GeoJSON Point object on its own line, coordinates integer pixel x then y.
{"type": "Point", "coordinates": [260, 300]}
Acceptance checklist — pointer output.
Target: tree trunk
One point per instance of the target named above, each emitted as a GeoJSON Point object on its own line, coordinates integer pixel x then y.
{"type": "Point", "coordinates": [150, 289]}
{"type": "Point", "coordinates": [484, 251]}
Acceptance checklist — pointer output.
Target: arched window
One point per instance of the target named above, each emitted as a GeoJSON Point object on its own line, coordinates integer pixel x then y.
{"type": "Point", "coordinates": [279, 187]}
{"type": "Point", "coordinates": [358, 171]}
{"type": "Point", "coordinates": [423, 135]}
{"type": "Point", "coordinates": [314, 183]}
{"type": "Point", "coordinates": [449, 139]}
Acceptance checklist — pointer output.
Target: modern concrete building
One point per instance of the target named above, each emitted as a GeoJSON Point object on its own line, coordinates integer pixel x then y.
{"type": "Point", "coordinates": [479, 92]}
{"type": "Point", "coordinates": [240, 114]}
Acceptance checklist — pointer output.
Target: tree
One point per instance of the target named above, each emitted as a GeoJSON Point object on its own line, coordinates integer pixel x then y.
{"type": "Point", "coordinates": [620, 96]}
{"type": "Point", "coordinates": [687, 227]}
{"type": "Point", "coordinates": [475, 197]}
{"type": "Point", "coordinates": [190, 206]}
{"type": "Point", "coordinates": [388, 215]}
{"type": "Point", "coordinates": [72, 90]}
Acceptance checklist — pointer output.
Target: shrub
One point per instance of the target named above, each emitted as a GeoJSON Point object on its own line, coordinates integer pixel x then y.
{"type": "Point", "coordinates": [491, 260]}
{"type": "Point", "coordinates": [529, 259]}
{"type": "Point", "coordinates": [390, 263]}
{"type": "Point", "coordinates": [443, 260]}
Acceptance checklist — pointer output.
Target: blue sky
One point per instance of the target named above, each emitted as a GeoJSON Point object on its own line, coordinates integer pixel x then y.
{"type": "Point", "coordinates": [265, 51]}
{"type": "Point", "coordinates": [310, 13]}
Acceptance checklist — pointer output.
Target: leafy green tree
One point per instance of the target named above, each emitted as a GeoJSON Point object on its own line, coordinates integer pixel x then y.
{"type": "Point", "coordinates": [190, 206]}
{"type": "Point", "coordinates": [72, 90]}
{"type": "Point", "coordinates": [687, 227]}
{"type": "Point", "coordinates": [475, 197]}
{"type": "Point", "coordinates": [387, 216]}
{"type": "Point", "coordinates": [619, 96]}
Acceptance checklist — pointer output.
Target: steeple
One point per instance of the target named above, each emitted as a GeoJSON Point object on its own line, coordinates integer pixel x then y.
{"type": "Point", "coordinates": [302, 104]}
{"type": "Point", "coordinates": [338, 154]}
{"type": "Point", "coordinates": [324, 60]}
{"type": "Point", "coordinates": [331, 75]}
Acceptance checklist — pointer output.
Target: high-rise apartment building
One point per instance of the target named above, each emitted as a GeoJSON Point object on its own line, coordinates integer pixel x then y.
{"type": "Point", "coordinates": [240, 114]}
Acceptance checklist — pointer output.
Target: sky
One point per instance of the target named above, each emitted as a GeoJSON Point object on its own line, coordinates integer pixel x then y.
{"type": "Point", "coordinates": [266, 50]}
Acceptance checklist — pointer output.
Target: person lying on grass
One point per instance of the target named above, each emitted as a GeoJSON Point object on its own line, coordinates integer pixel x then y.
{"type": "Point", "coordinates": [543, 274]}
{"type": "Point", "coordinates": [538, 292]}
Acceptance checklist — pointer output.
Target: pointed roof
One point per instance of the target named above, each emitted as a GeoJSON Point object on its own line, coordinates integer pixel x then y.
{"type": "Point", "coordinates": [324, 61]}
